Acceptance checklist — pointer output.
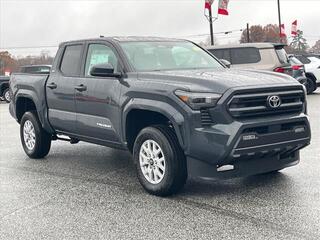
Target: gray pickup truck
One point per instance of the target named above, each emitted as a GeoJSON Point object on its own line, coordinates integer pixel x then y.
{"type": "Point", "coordinates": [179, 110]}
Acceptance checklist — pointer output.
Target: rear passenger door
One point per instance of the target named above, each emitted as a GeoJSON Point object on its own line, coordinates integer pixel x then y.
{"type": "Point", "coordinates": [60, 88]}
{"type": "Point", "coordinates": [97, 106]}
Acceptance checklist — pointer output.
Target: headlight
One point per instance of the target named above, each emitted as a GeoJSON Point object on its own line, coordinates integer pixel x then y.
{"type": "Point", "coordinates": [198, 100]}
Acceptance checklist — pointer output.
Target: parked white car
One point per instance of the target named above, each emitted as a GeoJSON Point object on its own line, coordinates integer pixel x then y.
{"type": "Point", "coordinates": [312, 65]}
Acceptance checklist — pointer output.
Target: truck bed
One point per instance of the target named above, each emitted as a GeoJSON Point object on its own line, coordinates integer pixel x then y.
{"type": "Point", "coordinates": [30, 86]}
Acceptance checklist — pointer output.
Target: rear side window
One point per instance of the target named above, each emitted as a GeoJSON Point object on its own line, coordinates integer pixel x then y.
{"type": "Point", "coordinates": [245, 55]}
{"type": "Point", "coordinates": [221, 54]}
{"type": "Point", "coordinates": [70, 65]}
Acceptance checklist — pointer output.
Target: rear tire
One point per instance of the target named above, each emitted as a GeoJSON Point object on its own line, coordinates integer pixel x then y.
{"type": "Point", "coordinates": [35, 140]}
{"type": "Point", "coordinates": [160, 161]}
{"type": "Point", "coordinates": [6, 95]}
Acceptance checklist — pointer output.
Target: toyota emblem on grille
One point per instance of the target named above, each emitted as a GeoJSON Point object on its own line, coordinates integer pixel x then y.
{"type": "Point", "coordinates": [274, 101]}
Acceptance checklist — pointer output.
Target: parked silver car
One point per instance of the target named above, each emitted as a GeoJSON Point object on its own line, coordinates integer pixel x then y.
{"type": "Point", "coordinates": [261, 56]}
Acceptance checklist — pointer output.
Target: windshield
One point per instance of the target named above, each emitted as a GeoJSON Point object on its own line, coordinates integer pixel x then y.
{"type": "Point", "coordinates": [157, 56]}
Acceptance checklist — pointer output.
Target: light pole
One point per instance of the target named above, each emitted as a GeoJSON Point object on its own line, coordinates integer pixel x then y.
{"type": "Point", "coordinates": [248, 33]}
{"type": "Point", "coordinates": [211, 26]}
{"type": "Point", "coordinates": [279, 15]}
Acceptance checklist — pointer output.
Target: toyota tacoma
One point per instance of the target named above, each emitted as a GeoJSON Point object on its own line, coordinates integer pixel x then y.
{"type": "Point", "coordinates": [172, 104]}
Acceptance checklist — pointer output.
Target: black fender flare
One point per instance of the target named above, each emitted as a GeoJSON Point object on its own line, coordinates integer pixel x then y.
{"type": "Point", "coordinates": [41, 108]}
{"type": "Point", "coordinates": [174, 116]}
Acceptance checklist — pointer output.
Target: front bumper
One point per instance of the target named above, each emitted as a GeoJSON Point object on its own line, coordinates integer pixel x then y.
{"type": "Point", "coordinates": [247, 147]}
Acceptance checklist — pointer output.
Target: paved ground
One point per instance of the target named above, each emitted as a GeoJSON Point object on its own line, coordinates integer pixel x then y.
{"type": "Point", "coordinates": [89, 192]}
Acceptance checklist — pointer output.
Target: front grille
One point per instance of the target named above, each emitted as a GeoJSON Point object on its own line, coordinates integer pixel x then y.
{"type": "Point", "coordinates": [246, 105]}
{"type": "Point", "coordinates": [206, 119]}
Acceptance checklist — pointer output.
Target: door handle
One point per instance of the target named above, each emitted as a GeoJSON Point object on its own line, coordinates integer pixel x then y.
{"type": "Point", "coordinates": [52, 85]}
{"type": "Point", "coordinates": [81, 88]}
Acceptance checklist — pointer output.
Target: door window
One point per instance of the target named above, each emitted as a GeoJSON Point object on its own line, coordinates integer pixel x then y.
{"type": "Point", "coordinates": [70, 65]}
{"type": "Point", "coordinates": [100, 54]}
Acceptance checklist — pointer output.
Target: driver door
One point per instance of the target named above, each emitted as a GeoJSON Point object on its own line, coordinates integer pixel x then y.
{"type": "Point", "coordinates": [96, 98]}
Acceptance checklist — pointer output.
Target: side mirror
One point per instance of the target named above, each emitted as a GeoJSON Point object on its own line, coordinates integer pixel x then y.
{"type": "Point", "coordinates": [226, 63]}
{"type": "Point", "coordinates": [104, 70]}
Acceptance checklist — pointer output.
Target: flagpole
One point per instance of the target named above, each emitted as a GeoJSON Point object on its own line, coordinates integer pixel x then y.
{"type": "Point", "coordinates": [211, 26]}
{"type": "Point", "coordinates": [279, 15]}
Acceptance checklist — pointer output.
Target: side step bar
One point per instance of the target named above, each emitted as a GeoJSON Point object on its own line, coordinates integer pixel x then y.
{"type": "Point", "coordinates": [71, 140]}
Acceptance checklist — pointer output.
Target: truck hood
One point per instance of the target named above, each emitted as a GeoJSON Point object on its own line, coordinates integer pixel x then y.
{"type": "Point", "coordinates": [218, 81]}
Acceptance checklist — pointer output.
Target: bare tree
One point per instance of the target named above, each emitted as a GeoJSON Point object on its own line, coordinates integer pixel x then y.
{"type": "Point", "coordinates": [316, 48]}
{"type": "Point", "coordinates": [258, 33]}
{"type": "Point", "coordinates": [13, 64]}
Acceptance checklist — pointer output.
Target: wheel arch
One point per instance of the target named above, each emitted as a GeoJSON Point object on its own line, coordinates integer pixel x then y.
{"type": "Point", "coordinates": [151, 112]}
{"type": "Point", "coordinates": [24, 103]}
{"type": "Point", "coordinates": [311, 76]}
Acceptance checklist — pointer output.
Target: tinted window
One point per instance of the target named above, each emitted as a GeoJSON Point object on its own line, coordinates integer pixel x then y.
{"type": "Point", "coordinates": [70, 65]}
{"type": "Point", "coordinates": [245, 55]}
{"type": "Point", "coordinates": [100, 54]}
{"type": "Point", "coordinates": [303, 59]}
{"type": "Point", "coordinates": [221, 54]}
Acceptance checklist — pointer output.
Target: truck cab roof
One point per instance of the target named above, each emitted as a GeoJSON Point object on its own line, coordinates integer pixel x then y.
{"type": "Point", "coordinates": [125, 39]}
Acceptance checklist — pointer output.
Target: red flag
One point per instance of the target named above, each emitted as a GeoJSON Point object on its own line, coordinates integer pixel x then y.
{"type": "Point", "coordinates": [294, 28]}
{"type": "Point", "coordinates": [207, 6]}
{"type": "Point", "coordinates": [223, 7]}
{"type": "Point", "coordinates": [283, 31]}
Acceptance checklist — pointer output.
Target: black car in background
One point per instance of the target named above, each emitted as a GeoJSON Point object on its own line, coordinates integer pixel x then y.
{"type": "Point", "coordinates": [4, 88]}
{"type": "Point", "coordinates": [36, 69]}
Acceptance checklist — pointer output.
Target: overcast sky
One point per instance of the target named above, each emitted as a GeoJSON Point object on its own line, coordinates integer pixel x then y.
{"type": "Point", "coordinates": [28, 23]}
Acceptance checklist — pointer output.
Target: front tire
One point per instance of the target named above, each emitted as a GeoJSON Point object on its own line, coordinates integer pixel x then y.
{"type": "Point", "coordinates": [6, 95]}
{"type": "Point", "coordinates": [35, 140]}
{"type": "Point", "coordinates": [160, 161]}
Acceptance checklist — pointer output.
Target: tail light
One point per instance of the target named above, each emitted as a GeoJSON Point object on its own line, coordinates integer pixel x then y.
{"type": "Point", "coordinates": [280, 70]}
{"type": "Point", "coordinates": [297, 67]}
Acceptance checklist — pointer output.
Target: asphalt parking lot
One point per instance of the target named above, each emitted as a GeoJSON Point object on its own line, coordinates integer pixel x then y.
{"type": "Point", "coordinates": [85, 191]}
